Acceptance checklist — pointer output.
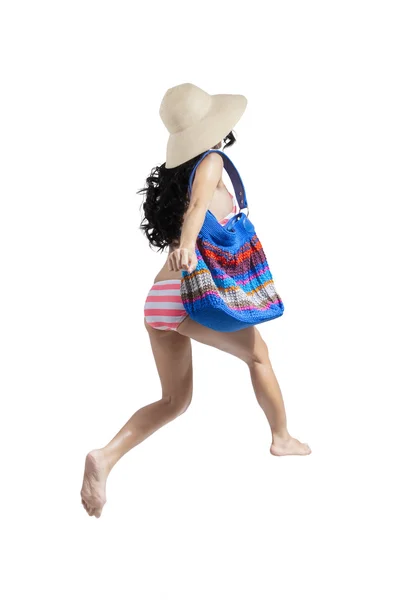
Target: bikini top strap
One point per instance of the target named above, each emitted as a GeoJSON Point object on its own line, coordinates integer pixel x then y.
{"type": "Point", "coordinates": [233, 175]}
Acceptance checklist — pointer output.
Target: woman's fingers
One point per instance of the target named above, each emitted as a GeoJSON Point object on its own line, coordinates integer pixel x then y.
{"type": "Point", "coordinates": [171, 264]}
{"type": "Point", "coordinates": [174, 259]}
{"type": "Point", "coordinates": [184, 258]}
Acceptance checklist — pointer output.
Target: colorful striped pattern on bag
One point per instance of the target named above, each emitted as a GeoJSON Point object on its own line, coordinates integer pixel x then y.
{"type": "Point", "coordinates": [241, 283]}
{"type": "Point", "coordinates": [243, 280]}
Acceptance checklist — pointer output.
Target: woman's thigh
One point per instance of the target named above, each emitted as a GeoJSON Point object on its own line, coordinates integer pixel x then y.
{"type": "Point", "coordinates": [173, 357]}
{"type": "Point", "coordinates": [246, 344]}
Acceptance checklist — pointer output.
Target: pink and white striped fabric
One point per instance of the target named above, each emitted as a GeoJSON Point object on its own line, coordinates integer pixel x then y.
{"type": "Point", "coordinates": [163, 308]}
{"type": "Point", "coordinates": [233, 212]}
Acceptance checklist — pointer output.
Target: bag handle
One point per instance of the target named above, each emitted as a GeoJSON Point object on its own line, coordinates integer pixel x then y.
{"type": "Point", "coordinates": [233, 175]}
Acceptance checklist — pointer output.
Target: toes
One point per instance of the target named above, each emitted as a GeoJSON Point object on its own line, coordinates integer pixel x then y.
{"type": "Point", "coordinates": [93, 511]}
{"type": "Point", "coordinates": [296, 447]}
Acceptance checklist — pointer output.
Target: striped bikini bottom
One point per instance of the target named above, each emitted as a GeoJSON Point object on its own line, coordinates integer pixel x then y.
{"type": "Point", "coordinates": [163, 308]}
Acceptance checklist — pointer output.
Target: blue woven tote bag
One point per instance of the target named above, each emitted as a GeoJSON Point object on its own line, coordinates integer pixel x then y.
{"type": "Point", "coordinates": [232, 286]}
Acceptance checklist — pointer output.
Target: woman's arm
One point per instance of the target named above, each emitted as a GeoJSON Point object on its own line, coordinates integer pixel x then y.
{"type": "Point", "coordinates": [207, 176]}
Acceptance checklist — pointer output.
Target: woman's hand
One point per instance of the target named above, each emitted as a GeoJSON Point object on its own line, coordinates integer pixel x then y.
{"type": "Point", "coordinates": [182, 258]}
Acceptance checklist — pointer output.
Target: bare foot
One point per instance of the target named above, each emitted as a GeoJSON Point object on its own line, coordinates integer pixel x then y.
{"type": "Point", "coordinates": [287, 446]}
{"type": "Point", "coordinates": [93, 492]}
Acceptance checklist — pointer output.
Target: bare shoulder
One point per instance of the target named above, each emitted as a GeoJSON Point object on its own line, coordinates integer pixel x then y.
{"type": "Point", "coordinates": [210, 168]}
{"type": "Point", "coordinates": [213, 161]}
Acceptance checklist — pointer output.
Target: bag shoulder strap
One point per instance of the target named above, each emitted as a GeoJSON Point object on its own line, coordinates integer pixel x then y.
{"type": "Point", "coordinates": [233, 175]}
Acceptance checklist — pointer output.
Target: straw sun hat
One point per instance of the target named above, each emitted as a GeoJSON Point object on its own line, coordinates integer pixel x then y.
{"type": "Point", "coordinates": [197, 121]}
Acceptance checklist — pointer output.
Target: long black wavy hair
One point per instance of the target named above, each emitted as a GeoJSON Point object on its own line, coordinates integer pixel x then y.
{"type": "Point", "coordinates": [166, 200]}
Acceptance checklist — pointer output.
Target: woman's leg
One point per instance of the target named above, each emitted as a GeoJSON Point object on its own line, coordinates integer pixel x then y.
{"type": "Point", "coordinates": [173, 356]}
{"type": "Point", "coordinates": [248, 345]}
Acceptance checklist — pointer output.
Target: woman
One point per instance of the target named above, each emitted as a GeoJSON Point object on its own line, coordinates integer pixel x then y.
{"type": "Point", "coordinates": [197, 122]}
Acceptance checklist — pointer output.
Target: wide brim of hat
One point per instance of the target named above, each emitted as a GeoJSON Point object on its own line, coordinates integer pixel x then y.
{"type": "Point", "coordinates": [224, 113]}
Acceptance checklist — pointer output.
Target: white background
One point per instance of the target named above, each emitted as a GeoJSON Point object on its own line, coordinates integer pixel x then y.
{"type": "Point", "coordinates": [200, 509]}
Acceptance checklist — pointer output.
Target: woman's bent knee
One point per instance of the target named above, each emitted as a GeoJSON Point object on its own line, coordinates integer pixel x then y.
{"type": "Point", "coordinates": [179, 402]}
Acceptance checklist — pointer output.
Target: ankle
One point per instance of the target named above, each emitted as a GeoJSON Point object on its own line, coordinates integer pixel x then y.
{"type": "Point", "coordinates": [106, 458]}
{"type": "Point", "coordinates": [281, 435]}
